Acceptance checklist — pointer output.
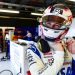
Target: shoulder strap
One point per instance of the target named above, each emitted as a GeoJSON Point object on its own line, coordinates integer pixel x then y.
{"type": "Point", "coordinates": [43, 45]}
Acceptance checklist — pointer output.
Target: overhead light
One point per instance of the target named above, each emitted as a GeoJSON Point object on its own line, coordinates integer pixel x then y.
{"type": "Point", "coordinates": [9, 11]}
{"type": "Point", "coordinates": [72, 0]}
{"type": "Point", "coordinates": [7, 27]}
{"type": "Point", "coordinates": [38, 14]}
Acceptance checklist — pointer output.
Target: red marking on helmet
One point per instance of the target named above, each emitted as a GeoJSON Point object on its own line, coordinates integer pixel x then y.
{"type": "Point", "coordinates": [66, 9]}
{"type": "Point", "coordinates": [40, 23]}
{"type": "Point", "coordinates": [70, 17]}
{"type": "Point", "coordinates": [49, 7]}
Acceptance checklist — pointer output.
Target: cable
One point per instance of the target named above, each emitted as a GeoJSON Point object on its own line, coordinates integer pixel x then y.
{"type": "Point", "coordinates": [18, 73]}
{"type": "Point", "coordinates": [9, 71]}
{"type": "Point", "coordinates": [6, 70]}
{"type": "Point", "coordinates": [4, 59]}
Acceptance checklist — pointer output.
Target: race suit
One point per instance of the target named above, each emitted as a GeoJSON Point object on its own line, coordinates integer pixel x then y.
{"type": "Point", "coordinates": [49, 63]}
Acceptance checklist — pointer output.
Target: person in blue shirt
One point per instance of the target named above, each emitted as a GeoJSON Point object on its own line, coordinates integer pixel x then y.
{"type": "Point", "coordinates": [28, 36]}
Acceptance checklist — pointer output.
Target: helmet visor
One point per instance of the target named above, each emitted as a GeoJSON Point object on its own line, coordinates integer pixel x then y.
{"type": "Point", "coordinates": [53, 22]}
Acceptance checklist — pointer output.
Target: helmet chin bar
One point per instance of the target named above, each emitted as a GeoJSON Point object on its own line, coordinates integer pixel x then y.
{"type": "Point", "coordinates": [57, 38]}
{"type": "Point", "coordinates": [50, 39]}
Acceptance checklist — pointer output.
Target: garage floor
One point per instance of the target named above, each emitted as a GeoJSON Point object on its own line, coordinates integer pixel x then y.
{"type": "Point", "coordinates": [6, 65]}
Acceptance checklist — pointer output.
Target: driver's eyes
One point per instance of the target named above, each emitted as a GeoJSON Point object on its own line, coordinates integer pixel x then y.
{"type": "Point", "coordinates": [56, 26]}
{"type": "Point", "coordinates": [52, 26]}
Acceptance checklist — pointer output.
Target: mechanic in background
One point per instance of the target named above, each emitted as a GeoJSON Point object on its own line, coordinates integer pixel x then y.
{"type": "Point", "coordinates": [28, 36]}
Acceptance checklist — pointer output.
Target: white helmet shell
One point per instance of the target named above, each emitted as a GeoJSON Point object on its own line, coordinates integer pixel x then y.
{"type": "Point", "coordinates": [61, 11]}
{"type": "Point", "coordinates": [57, 10]}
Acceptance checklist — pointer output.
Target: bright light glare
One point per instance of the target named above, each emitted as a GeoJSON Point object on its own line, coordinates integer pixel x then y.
{"type": "Point", "coordinates": [8, 11]}
{"type": "Point", "coordinates": [72, 0]}
{"type": "Point", "coordinates": [38, 14]}
{"type": "Point", "coordinates": [7, 27]}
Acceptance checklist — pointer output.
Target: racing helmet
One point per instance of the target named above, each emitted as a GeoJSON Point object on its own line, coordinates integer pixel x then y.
{"type": "Point", "coordinates": [56, 21]}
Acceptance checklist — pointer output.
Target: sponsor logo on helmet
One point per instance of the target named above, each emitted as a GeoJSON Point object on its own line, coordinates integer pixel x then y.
{"type": "Point", "coordinates": [56, 10]}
